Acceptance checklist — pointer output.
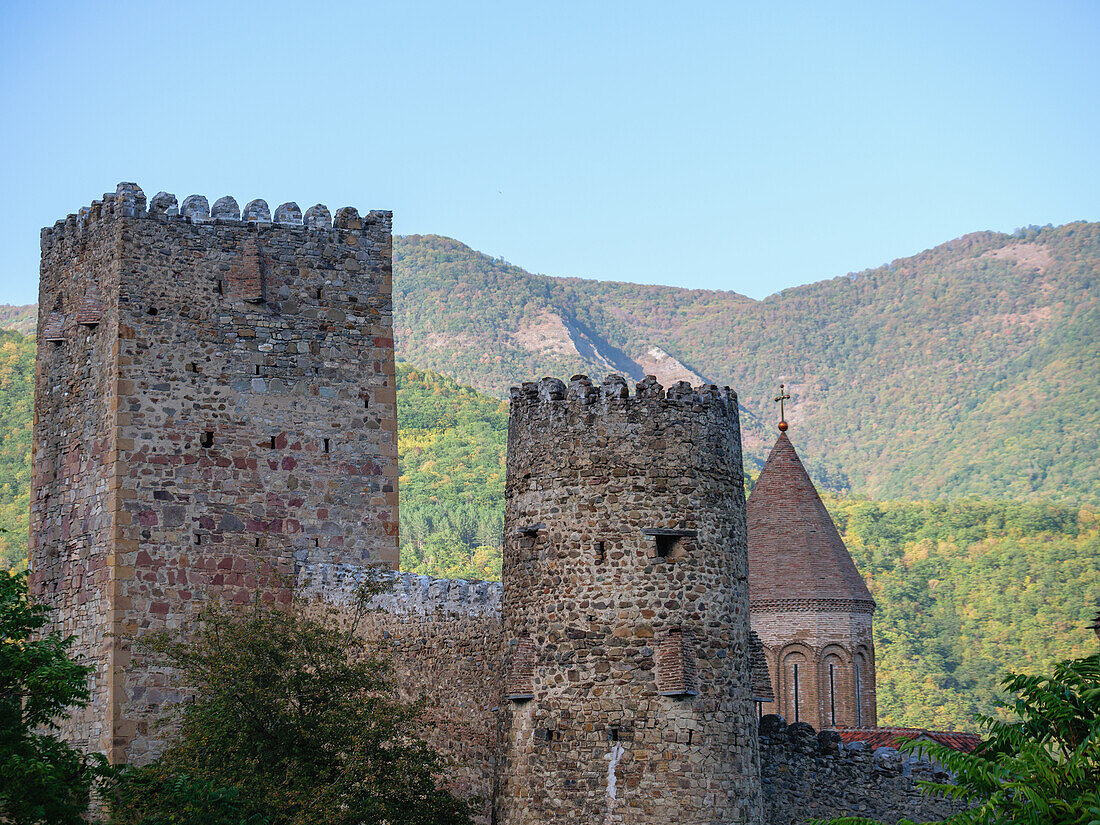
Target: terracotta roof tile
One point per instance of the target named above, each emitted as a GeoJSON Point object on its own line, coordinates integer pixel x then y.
{"type": "Point", "coordinates": [893, 737]}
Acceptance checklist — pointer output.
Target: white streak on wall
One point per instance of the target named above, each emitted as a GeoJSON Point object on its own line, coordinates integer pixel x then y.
{"type": "Point", "coordinates": [615, 756]}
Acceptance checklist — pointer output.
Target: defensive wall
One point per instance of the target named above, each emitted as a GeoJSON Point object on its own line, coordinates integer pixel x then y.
{"type": "Point", "coordinates": [214, 399]}
{"type": "Point", "coordinates": [808, 774]}
{"type": "Point", "coordinates": [215, 416]}
{"type": "Point", "coordinates": [625, 612]}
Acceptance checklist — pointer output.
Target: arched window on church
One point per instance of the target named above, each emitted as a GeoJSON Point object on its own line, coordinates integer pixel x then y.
{"type": "Point", "coordinates": [835, 706]}
{"type": "Point", "coordinates": [797, 676]}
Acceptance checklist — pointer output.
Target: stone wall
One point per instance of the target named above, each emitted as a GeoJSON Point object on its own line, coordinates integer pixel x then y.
{"type": "Point", "coordinates": [808, 775]}
{"type": "Point", "coordinates": [443, 638]}
{"type": "Point", "coordinates": [231, 414]}
{"type": "Point", "coordinates": [625, 536]}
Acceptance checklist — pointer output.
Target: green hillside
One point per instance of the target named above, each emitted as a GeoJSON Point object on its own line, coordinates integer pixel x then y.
{"type": "Point", "coordinates": [967, 370]}
{"type": "Point", "coordinates": [966, 589]}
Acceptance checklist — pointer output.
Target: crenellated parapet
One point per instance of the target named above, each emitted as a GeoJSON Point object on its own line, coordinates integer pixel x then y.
{"type": "Point", "coordinates": [129, 201]}
{"type": "Point", "coordinates": [614, 394]}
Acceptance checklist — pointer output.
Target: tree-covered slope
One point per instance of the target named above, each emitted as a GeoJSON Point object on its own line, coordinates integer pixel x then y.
{"type": "Point", "coordinates": [966, 589]}
{"type": "Point", "coordinates": [969, 369]}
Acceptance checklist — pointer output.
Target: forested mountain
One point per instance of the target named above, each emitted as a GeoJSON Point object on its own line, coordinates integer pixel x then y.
{"type": "Point", "coordinates": [966, 589]}
{"type": "Point", "coordinates": [970, 369]}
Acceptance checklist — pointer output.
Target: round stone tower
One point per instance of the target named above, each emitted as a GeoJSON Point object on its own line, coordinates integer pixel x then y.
{"type": "Point", "coordinates": [625, 612]}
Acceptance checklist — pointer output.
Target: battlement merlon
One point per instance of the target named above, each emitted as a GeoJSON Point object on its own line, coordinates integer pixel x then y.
{"type": "Point", "coordinates": [129, 201]}
{"type": "Point", "coordinates": [614, 392]}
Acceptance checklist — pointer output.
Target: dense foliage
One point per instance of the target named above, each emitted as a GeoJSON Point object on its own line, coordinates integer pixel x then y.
{"type": "Point", "coordinates": [1041, 766]}
{"type": "Point", "coordinates": [967, 590]}
{"type": "Point", "coordinates": [967, 370]}
{"type": "Point", "coordinates": [452, 447]}
{"type": "Point", "coordinates": [42, 780]}
{"type": "Point", "coordinates": [16, 418]}
{"type": "Point", "coordinates": [291, 721]}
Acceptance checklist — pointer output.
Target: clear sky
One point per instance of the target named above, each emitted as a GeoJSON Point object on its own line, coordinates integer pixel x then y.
{"type": "Point", "coordinates": [718, 145]}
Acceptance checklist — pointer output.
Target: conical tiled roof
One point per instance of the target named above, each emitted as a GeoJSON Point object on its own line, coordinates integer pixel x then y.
{"type": "Point", "coordinates": [795, 551]}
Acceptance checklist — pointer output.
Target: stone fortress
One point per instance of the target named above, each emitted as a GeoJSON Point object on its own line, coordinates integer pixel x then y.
{"type": "Point", "coordinates": [215, 413]}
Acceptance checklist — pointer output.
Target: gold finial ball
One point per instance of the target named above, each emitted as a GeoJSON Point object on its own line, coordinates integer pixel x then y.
{"type": "Point", "coordinates": [782, 426]}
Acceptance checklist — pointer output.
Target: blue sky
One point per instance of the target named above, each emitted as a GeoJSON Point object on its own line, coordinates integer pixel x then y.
{"type": "Point", "coordinates": [735, 146]}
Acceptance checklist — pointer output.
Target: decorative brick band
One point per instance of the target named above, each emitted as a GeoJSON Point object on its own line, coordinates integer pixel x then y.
{"type": "Point", "coordinates": [813, 605]}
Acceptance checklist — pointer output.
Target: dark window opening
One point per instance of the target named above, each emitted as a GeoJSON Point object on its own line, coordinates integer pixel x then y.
{"type": "Point", "coordinates": [257, 369]}
{"type": "Point", "coordinates": [257, 541]}
{"type": "Point", "coordinates": [151, 311]}
{"type": "Point", "coordinates": [691, 735]}
{"type": "Point", "coordinates": [796, 693]}
{"type": "Point", "coordinates": [207, 439]}
{"type": "Point", "coordinates": [832, 696]}
{"type": "Point", "coordinates": [613, 734]}
{"type": "Point", "coordinates": [198, 539]}
{"type": "Point", "coordinates": [273, 441]}
{"type": "Point", "coordinates": [366, 401]}
{"type": "Point", "coordinates": [669, 544]}
{"type": "Point", "coordinates": [328, 445]}
{"type": "Point", "coordinates": [601, 553]}
{"type": "Point", "coordinates": [319, 293]}
{"type": "Point", "coordinates": [316, 542]}
{"type": "Point", "coordinates": [859, 709]}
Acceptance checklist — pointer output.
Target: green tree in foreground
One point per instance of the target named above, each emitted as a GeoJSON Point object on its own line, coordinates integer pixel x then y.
{"type": "Point", "coordinates": [1043, 768]}
{"type": "Point", "coordinates": [42, 779]}
{"type": "Point", "coordinates": [292, 722]}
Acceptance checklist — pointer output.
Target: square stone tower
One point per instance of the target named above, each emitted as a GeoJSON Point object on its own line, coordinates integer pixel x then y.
{"type": "Point", "coordinates": [214, 402]}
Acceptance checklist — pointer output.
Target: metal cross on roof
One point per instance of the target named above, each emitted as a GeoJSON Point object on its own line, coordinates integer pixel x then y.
{"type": "Point", "coordinates": [781, 398]}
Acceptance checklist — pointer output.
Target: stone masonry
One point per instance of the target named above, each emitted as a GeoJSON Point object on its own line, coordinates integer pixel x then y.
{"type": "Point", "coordinates": [215, 417]}
{"type": "Point", "coordinates": [625, 577]}
{"type": "Point", "coordinates": [214, 401]}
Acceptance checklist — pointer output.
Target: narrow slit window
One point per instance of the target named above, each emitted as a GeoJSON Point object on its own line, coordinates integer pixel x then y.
{"type": "Point", "coordinates": [320, 293]}
{"type": "Point", "coordinates": [859, 708]}
{"type": "Point", "coordinates": [601, 552]}
{"type": "Point", "coordinates": [207, 439]}
{"type": "Point", "coordinates": [273, 442]}
{"type": "Point", "coordinates": [796, 697]}
{"type": "Point", "coordinates": [832, 694]}
{"type": "Point", "coordinates": [613, 734]}
{"type": "Point", "coordinates": [327, 445]}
